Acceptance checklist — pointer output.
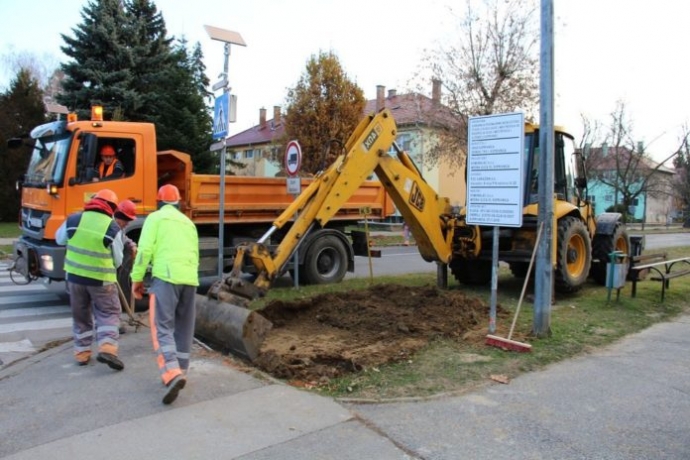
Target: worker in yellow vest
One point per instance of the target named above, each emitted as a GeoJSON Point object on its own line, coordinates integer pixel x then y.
{"type": "Point", "coordinates": [94, 251]}
{"type": "Point", "coordinates": [170, 243]}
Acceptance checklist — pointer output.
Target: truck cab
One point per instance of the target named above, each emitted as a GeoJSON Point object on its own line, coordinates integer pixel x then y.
{"type": "Point", "coordinates": [63, 175]}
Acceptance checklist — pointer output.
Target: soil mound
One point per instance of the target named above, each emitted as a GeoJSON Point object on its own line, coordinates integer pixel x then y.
{"type": "Point", "coordinates": [334, 334]}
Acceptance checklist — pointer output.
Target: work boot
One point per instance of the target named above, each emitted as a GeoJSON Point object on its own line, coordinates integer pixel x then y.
{"type": "Point", "coordinates": [111, 360]}
{"type": "Point", "coordinates": [174, 387]}
{"type": "Point", "coordinates": [82, 358]}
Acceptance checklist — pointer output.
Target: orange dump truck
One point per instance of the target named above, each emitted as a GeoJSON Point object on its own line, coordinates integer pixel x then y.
{"type": "Point", "coordinates": [63, 175]}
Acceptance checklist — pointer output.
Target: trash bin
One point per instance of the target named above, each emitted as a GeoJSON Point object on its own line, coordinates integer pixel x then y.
{"type": "Point", "coordinates": [616, 272]}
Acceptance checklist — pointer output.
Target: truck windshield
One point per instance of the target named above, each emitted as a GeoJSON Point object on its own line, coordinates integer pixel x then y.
{"type": "Point", "coordinates": [49, 155]}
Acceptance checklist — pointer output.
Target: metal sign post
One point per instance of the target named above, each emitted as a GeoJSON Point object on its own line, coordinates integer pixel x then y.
{"type": "Point", "coordinates": [292, 161]}
{"type": "Point", "coordinates": [222, 118]}
{"type": "Point", "coordinates": [495, 161]}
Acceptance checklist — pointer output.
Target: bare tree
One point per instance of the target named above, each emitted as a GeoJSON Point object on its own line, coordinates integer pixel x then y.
{"type": "Point", "coordinates": [41, 68]}
{"type": "Point", "coordinates": [625, 166]}
{"type": "Point", "coordinates": [591, 133]}
{"type": "Point", "coordinates": [682, 165]}
{"type": "Point", "coordinates": [491, 67]}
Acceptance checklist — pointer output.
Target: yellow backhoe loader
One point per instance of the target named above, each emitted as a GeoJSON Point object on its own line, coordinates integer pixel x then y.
{"type": "Point", "coordinates": [581, 242]}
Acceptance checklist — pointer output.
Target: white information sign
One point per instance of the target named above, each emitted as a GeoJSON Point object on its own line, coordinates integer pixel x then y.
{"type": "Point", "coordinates": [495, 163]}
{"type": "Point", "coordinates": [294, 185]}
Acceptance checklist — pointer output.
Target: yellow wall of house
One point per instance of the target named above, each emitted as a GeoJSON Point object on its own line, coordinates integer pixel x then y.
{"type": "Point", "coordinates": [446, 180]}
{"type": "Point", "coordinates": [452, 185]}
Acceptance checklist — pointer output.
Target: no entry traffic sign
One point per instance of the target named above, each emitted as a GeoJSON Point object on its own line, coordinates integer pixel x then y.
{"type": "Point", "coordinates": [293, 158]}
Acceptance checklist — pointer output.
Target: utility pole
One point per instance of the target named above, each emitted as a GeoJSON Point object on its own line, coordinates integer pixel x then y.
{"type": "Point", "coordinates": [543, 289]}
{"type": "Point", "coordinates": [228, 37]}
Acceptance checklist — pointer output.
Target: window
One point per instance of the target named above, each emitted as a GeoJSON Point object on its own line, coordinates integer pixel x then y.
{"type": "Point", "coordinates": [608, 198]}
{"type": "Point", "coordinates": [404, 142]}
{"type": "Point", "coordinates": [248, 154]}
{"type": "Point", "coordinates": [123, 163]}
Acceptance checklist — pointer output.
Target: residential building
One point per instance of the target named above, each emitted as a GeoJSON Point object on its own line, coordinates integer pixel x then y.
{"type": "Point", "coordinates": [655, 202]}
{"type": "Point", "coordinates": [257, 145]}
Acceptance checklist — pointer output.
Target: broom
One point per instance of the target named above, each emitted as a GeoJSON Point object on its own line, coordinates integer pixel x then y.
{"type": "Point", "coordinates": [507, 343]}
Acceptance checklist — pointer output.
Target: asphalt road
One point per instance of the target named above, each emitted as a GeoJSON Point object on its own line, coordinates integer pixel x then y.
{"type": "Point", "coordinates": [666, 240]}
{"type": "Point", "coordinates": [398, 260]}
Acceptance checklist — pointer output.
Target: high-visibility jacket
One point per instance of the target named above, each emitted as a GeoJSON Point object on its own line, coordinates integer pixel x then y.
{"type": "Point", "coordinates": [116, 169]}
{"type": "Point", "coordinates": [88, 253]}
{"type": "Point", "coordinates": [170, 243]}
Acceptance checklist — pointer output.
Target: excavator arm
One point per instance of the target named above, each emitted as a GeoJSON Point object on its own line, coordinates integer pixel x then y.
{"type": "Point", "coordinates": [366, 151]}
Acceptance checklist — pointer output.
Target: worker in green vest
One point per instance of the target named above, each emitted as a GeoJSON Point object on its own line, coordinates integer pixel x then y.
{"type": "Point", "coordinates": [170, 244]}
{"type": "Point", "coordinates": [94, 251]}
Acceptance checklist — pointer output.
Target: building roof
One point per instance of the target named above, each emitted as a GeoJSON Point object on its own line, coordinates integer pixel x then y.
{"type": "Point", "coordinates": [258, 134]}
{"type": "Point", "coordinates": [607, 158]}
{"type": "Point", "coordinates": [407, 109]}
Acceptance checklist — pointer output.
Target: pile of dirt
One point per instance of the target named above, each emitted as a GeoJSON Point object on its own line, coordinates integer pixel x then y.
{"type": "Point", "coordinates": [334, 334]}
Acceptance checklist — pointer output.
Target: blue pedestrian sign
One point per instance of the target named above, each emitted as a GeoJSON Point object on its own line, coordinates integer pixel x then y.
{"type": "Point", "coordinates": [221, 116]}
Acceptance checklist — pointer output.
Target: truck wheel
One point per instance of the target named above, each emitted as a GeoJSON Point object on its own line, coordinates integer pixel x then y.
{"type": "Point", "coordinates": [471, 272]}
{"type": "Point", "coordinates": [602, 246]}
{"type": "Point", "coordinates": [574, 255]}
{"type": "Point", "coordinates": [325, 261]}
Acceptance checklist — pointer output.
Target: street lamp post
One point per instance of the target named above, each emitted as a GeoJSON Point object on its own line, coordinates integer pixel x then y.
{"type": "Point", "coordinates": [228, 37]}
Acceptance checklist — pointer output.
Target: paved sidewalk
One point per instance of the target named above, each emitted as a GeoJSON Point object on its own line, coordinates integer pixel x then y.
{"type": "Point", "coordinates": [52, 408]}
{"type": "Point", "coordinates": [629, 401]}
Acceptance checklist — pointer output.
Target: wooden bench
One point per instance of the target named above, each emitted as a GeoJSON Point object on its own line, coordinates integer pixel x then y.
{"type": "Point", "coordinates": [660, 264]}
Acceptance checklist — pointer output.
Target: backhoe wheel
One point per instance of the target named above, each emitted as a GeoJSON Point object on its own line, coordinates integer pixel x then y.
{"type": "Point", "coordinates": [325, 261]}
{"type": "Point", "coordinates": [603, 245]}
{"type": "Point", "coordinates": [574, 255]}
{"type": "Point", "coordinates": [471, 272]}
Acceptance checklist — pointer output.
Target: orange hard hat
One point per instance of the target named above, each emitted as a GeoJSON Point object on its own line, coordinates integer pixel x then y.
{"type": "Point", "coordinates": [168, 193]}
{"type": "Point", "coordinates": [108, 151]}
{"type": "Point", "coordinates": [127, 209]}
{"type": "Point", "coordinates": [108, 196]}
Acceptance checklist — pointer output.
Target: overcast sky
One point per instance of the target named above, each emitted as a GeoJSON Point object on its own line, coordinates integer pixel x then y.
{"type": "Point", "coordinates": [606, 50]}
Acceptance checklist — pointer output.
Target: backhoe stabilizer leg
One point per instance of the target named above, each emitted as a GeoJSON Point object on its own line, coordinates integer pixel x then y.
{"type": "Point", "coordinates": [234, 328]}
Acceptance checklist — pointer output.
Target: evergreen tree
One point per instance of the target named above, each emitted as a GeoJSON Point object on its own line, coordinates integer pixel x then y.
{"type": "Point", "coordinates": [123, 59]}
{"type": "Point", "coordinates": [100, 71]}
{"type": "Point", "coordinates": [181, 113]}
{"type": "Point", "coordinates": [324, 106]}
{"type": "Point", "coordinates": [22, 105]}
{"type": "Point", "coordinates": [152, 55]}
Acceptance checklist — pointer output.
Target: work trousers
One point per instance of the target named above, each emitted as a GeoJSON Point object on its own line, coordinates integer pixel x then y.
{"type": "Point", "coordinates": [172, 314]}
{"type": "Point", "coordinates": [99, 304]}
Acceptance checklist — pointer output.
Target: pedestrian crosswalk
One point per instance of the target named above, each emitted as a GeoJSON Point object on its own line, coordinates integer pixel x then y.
{"type": "Point", "coordinates": [31, 316]}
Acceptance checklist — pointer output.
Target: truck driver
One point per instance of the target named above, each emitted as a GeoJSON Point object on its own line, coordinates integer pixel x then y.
{"type": "Point", "coordinates": [110, 167]}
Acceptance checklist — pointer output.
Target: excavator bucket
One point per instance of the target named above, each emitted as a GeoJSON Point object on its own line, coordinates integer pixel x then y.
{"type": "Point", "coordinates": [222, 318]}
{"type": "Point", "coordinates": [236, 329]}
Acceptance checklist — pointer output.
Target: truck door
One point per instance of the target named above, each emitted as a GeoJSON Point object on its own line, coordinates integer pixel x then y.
{"type": "Point", "coordinates": [89, 173]}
